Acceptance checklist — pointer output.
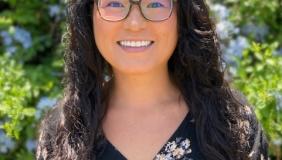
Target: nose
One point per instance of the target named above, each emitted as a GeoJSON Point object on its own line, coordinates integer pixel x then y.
{"type": "Point", "coordinates": [135, 21]}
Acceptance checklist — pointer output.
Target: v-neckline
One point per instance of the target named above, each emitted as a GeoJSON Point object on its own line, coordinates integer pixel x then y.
{"type": "Point", "coordinates": [174, 134]}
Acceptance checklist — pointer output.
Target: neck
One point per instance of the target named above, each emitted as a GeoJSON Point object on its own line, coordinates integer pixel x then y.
{"type": "Point", "coordinates": [143, 91]}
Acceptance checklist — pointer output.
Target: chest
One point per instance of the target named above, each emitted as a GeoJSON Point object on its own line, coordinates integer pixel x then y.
{"type": "Point", "coordinates": [141, 139]}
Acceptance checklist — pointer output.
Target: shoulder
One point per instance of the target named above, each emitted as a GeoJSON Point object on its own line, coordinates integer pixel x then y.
{"type": "Point", "coordinates": [252, 132]}
{"type": "Point", "coordinates": [47, 132]}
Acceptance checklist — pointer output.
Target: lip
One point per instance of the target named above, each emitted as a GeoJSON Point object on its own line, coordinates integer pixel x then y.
{"type": "Point", "coordinates": [135, 39]}
{"type": "Point", "coordinates": [135, 49]}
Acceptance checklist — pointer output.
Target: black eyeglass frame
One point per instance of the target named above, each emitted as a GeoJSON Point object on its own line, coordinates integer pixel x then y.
{"type": "Point", "coordinates": [137, 2]}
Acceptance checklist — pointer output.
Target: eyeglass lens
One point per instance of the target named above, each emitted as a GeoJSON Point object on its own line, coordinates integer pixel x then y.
{"type": "Point", "coordinates": [154, 10]}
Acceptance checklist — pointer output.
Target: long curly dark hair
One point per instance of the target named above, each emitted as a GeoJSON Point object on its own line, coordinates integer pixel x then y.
{"type": "Point", "coordinates": [226, 126]}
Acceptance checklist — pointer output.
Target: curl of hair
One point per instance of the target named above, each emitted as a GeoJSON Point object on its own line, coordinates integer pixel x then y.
{"type": "Point", "coordinates": [226, 126]}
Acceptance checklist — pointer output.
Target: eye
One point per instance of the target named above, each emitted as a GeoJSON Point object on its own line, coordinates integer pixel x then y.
{"type": "Point", "coordinates": [155, 5]}
{"type": "Point", "coordinates": [115, 4]}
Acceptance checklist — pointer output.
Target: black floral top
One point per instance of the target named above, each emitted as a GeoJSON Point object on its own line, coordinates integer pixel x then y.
{"type": "Point", "coordinates": [181, 145]}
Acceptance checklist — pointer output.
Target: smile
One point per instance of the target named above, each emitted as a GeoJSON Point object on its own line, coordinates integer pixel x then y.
{"type": "Point", "coordinates": [127, 43]}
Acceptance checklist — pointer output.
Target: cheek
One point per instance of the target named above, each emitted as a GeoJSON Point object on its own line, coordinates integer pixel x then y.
{"type": "Point", "coordinates": [103, 35]}
{"type": "Point", "coordinates": [172, 30]}
{"type": "Point", "coordinates": [99, 28]}
{"type": "Point", "coordinates": [168, 35]}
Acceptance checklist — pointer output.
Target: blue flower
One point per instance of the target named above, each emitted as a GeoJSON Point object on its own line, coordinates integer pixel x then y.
{"type": "Point", "coordinates": [258, 31]}
{"type": "Point", "coordinates": [6, 143]}
{"type": "Point", "coordinates": [54, 10]}
{"type": "Point", "coordinates": [225, 29]}
{"type": "Point", "coordinates": [236, 46]}
{"type": "Point", "coordinates": [278, 52]}
{"type": "Point", "coordinates": [30, 145]}
{"type": "Point", "coordinates": [221, 11]}
{"type": "Point", "coordinates": [44, 104]}
{"type": "Point", "coordinates": [7, 38]}
{"type": "Point", "coordinates": [23, 36]}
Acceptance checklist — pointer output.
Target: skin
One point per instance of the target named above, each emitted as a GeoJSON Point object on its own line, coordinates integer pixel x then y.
{"type": "Point", "coordinates": [143, 101]}
{"type": "Point", "coordinates": [137, 73]}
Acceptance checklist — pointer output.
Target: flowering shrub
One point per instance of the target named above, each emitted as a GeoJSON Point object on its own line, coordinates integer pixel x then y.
{"type": "Point", "coordinates": [254, 68]}
{"type": "Point", "coordinates": [259, 76]}
{"type": "Point", "coordinates": [258, 20]}
{"type": "Point", "coordinates": [30, 71]}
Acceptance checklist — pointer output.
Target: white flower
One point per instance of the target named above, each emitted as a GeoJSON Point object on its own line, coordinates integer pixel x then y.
{"type": "Point", "coordinates": [178, 153]}
{"type": "Point", "coordinates": [185, 143]}
{"type": "Point", "coordinates": [171, 146]}
{"type": "Point", "coordinates": [175, 150]}
{"type": "Point", "coordinates": [164, 156]}
{"type": "Point", "coordinates": [160, 157]}
{"type": "Point", "coordinates": [188, 151]}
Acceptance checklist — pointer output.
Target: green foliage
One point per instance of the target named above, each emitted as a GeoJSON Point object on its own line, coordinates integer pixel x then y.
{"type": "Point", "coordinates": [33, 16]}
{"type": "Point", "coordinates": [259, 76]}
{"type": "Point", "coordinates": [31, 66]}
{"type": "Point", "coordinates": [14, 95]}
{"type": "Point", "coordinates": [258, 71]}
{"type": "Point", "coordinates": [260, 13]}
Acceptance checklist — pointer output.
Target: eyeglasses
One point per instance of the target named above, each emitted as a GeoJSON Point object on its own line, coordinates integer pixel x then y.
{"type": "Point", "coordinates": [152, 10]}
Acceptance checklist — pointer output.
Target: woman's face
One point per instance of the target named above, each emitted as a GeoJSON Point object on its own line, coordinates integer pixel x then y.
{"type": "Point", "coordinates": [130, 60]}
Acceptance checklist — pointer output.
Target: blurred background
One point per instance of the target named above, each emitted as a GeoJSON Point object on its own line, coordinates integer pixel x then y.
{"type": "Point", "coordinates": [31, 65]}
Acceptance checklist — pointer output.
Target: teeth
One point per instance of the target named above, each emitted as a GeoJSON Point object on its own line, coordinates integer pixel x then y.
{"type": "Point", "coordinates": [135, 43]}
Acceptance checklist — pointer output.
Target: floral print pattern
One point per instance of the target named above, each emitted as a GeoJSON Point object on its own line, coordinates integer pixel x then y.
{"type": "Point", "coordinates": [176, 149]}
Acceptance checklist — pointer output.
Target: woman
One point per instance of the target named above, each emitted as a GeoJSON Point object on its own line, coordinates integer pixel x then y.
{"type": "Point", "coordinates": [144, 80]}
